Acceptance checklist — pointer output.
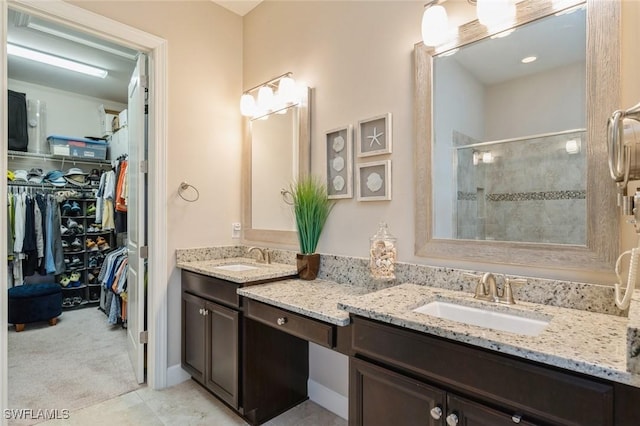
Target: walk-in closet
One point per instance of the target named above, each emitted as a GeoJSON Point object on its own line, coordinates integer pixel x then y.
{"type": "Point", "coordinates": [67, 207]}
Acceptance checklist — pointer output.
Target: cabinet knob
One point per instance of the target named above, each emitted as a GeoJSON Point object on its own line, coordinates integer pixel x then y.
{"type": "Point", "coordinates": [452, 419]}
{"type": "Point", "coordinates": [516, 418]}
{"type": "Point", "coordinates": [436, 412]}
{"type": "Point", "coordinates": [201, 311]}
{"type": "Point", "coordinates": [281, 321]}
{"type": "Point", "coordinates": [206, 312]}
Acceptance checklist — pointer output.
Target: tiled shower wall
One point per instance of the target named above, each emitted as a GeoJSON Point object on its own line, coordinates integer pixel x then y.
{"type": "Point", "coordinates": [533, 190]}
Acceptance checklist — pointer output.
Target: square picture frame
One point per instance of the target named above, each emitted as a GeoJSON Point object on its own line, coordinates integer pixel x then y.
{"type": "Point", "coordinates": [375, 135]}
{"type": "Point", "coordinates": [373, 181]}
{"type": "Point", "coordinates": [339, 149]}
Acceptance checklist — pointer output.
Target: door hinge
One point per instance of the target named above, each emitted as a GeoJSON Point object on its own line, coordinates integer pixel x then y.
{"type": "Point", "coordinates": [144, 336]}
{"type": "Point", "coordinates": [144, 81]}
{"type": "Point", "coordinates": [144, 252]}
{"type": "Point", "coordinates": [144, 166]}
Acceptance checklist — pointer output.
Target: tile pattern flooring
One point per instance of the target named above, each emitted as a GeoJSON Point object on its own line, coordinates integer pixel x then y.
{"type": "Point", "coordinates": [185, 404]}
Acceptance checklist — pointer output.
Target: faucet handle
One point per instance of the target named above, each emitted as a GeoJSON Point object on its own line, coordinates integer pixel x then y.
{"type": "Point", "coordinates": [508, 288]}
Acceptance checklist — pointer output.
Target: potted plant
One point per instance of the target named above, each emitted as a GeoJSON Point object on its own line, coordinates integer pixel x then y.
{"type": "Point", "coordinates": [311, 208]}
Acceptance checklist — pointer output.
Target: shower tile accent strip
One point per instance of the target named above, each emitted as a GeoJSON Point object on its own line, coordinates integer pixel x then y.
{"type": "Point", "coordinates": [542, 195]}
{"type": "Point", "coordinates": [355, 271]}
{"type": "Point", "coordinates": [467, 196]}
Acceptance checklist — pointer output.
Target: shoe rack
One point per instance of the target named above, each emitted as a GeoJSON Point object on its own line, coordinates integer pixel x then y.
{"type": "Point", "coordinates": [85, 245]}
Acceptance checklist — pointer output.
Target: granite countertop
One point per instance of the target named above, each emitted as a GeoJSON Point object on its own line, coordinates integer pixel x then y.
{"type": "Point", "coordinates": [262, 271]}
{"type": "Point", "coordinates": [575, 340]}
{"type": "Point", "coordinates": [316, 299]}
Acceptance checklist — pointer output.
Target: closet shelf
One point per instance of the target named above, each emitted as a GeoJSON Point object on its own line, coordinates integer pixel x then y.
{"type": "Point", "coordinates": [34, 155]}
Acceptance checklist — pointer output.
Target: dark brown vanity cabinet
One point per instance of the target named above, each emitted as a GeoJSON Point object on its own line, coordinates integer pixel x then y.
{"type": "Point", "coordinates": [400, 376]}
{"type": "Point", "coordinates": [210, 341]}
{"type": "Point", "coordinates": [255, 369]}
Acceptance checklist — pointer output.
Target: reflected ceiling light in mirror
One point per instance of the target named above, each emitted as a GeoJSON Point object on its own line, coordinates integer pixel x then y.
{"type": "Point", "coordinates": [503, 34]}
{"type": "Point", "coordinates": [528, 59]}
{"type": "Point", "coordinates": [56, 61]}
{"type": "Point", "coordinates": [450, 52]}
{"type": "Point", "coordinates": [435, 24]}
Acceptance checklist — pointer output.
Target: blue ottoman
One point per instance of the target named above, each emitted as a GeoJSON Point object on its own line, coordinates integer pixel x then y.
{"type": "Point", "coordinates": [34, 302]}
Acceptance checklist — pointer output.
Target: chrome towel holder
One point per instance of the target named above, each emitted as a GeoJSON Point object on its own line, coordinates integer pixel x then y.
{"type": "Point", "coordinates": [184, 186]}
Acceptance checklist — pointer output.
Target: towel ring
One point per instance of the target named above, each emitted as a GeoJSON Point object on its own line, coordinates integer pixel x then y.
{"type": "Point", "coordinates": [287, 196]}
{"type": "Point", "coordinates": [183, 187]}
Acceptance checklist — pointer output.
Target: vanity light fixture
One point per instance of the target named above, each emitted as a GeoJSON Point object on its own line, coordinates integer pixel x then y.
{"type": "Point", "coordinates": [435, 24]}
{"type": "Point", "coordinates": [495, 13]}
{"type": "Point", "coordinates": [267, 101]}
{"type": "Point", "coordinates": [56, 61]}
{"type": "Point", "coordinates": [528, 59]}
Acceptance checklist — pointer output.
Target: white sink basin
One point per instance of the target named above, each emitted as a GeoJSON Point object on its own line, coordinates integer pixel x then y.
{"type": "Point", "coordinates": [236, 267]}
{"type": "Point", "coordinates": [483, 318]}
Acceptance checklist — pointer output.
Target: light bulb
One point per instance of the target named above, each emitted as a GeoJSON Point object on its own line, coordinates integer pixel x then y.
{"type": "Point", "coordinates": [435, 25]}
{"type": "Point", "coordinates": [287, 90]}
{"type": "Point", "coordinates": [247, 105]}
{"type": "Point", "coordinates": [493, 13]}
{"type": "Point", "coordinates": [487, 157]}
{"type": "Point", "coordinates": [265, 99]}
{"type": "Point", "coordinates": [572, 146]}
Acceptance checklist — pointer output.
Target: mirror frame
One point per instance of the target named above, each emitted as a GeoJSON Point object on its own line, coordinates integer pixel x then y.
{"type": "Point", "coordinates": [271, 236]}
{"type": "Point", "coordinates": [603, 93]}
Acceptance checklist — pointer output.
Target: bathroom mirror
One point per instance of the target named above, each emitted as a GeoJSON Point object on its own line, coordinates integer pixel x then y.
{"type": "Point", "coordinates": [276, 152]}
{"type": "Point", "coordinates": [522, 183]}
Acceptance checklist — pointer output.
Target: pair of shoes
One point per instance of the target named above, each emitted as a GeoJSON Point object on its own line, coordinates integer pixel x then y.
{"type": "Point", "coordinates": [75, 261]}
{"type": "Point", "coordinates": [76, 244]}
{"type": "Point", "coordinates": [91, 278]}
{"type": "Point", "coordinates": [64, 230]}
{"type": "Point", "coordinates": [75, 277]}
{"type": "Point", "coordinates": [71, 224]}
{"type": "Point", "coordinates": [67, 302]}
{"type": "Point", "coordinates": [65, 245]}
{"type": "Point", "coordinates": [93, 262]}
{"type": "Point", "coordinates": [64, 280]}
{"type": "Point", "coordinates": [76, 301]}
{"type": "Point", "coordinates": [91, 209]}
{"type": "Point", "coordinates": [102, 243]}
{"type": "Point", "coordinates": [91, 245]}
{"type": "Point", "coordinates": [71, 208]}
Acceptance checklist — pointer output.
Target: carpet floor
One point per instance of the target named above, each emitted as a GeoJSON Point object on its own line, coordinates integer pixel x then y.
{"type": "Point", "coordinates": [77, 363]}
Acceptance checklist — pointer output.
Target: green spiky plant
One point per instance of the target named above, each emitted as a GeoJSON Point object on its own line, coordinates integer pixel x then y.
{"type": "Point", "coordinates": [311, 208]}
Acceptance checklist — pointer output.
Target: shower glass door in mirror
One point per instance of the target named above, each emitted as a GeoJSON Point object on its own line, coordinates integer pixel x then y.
{"type": "Point", "coordinates": [509, 135]}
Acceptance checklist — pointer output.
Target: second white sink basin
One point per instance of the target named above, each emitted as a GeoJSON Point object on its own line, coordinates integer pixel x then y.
{"type": "Point", "coordinates": [484, 318]}
{"type": "Point", "coordinates": [236, 267]}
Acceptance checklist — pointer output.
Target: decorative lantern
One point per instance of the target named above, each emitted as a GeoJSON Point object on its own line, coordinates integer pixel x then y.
{"type": "Point", "coordinates": [383, 254]}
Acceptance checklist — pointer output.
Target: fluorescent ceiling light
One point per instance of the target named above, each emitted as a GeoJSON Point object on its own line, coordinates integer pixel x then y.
{"type": "Point", "coordinates": [528, 59]}
{"type": "Point", "coordinates": [80, 40]}
{"type": "Point", "coordinates": [55, 61]}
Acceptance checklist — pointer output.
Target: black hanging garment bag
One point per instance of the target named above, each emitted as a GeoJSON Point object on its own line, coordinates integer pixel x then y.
{"type": "Point", "coordinates": [18, 136]}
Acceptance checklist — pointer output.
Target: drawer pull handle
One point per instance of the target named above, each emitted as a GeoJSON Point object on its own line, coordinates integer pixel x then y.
{"type": "Point", "coordinates": [452, 419]}
{"type": "Point", "coordinates": [516, 418]}
{"type": "Point", "coordinates": [436, 413]}
{"type": "Point", "coordinates": [281, 321]}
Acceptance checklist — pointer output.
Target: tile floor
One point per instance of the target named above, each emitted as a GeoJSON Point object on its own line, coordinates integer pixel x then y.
{"type": "Point", "coordinates": [185, 404]}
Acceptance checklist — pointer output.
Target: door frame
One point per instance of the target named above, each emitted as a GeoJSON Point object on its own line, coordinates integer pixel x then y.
{"type": "Point", "coordinates": [156, 49]}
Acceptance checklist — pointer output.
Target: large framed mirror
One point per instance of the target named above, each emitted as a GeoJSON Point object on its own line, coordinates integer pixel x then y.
{"type": "Point", "coordinates": [276, 151]}
{"type": "Point", "coordinates": [511, 164]}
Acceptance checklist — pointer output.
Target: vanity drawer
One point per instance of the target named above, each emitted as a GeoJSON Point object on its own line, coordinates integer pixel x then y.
{"type": "Point", "coordinates": [211, 288]}
{"type": "Point", "coordinates": [542, 392]}
{"type": "Point", "coordinates": [300, 326]}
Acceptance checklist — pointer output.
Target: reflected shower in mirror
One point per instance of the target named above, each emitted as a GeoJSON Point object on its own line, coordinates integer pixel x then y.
{"type": "Point", "coordinates": [510, 135]}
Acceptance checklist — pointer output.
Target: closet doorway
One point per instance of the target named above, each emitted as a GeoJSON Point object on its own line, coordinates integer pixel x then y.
{"type": "Point", "coordinates": [77, 19]}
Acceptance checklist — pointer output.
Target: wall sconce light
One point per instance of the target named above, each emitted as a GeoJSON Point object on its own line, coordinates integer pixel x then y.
{"type": "Point", "coordinates": [494, 14]}
{"type": "Point", "coordinates": [268, 102]}
{"type": "Point", "coordinates": [435, 24]}
{"type": "Point", "coordinates": [573, 146]}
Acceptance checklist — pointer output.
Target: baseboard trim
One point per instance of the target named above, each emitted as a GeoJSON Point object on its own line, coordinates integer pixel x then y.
{"type": "Point", "coordinates": [329, 399]}
{"type": "Point", "coordinates": [176, 375]}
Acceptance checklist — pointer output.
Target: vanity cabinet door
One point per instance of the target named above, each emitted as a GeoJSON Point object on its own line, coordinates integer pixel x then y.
{"type": "Point", "coordinates": [193, 336]}
{"type": "Point", "coordinates": [463, 412]}
{"type": "Point", "coordinates": [222, 352]}
{"type": "Point", "coordinates": [378, 396]}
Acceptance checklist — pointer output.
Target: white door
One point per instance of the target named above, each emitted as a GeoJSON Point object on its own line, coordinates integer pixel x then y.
{"type": "Point", "coordinates": [136, 217]}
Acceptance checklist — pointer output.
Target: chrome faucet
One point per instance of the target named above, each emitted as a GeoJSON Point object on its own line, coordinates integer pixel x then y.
{"type": "Point", "coordinates": [265, 256]}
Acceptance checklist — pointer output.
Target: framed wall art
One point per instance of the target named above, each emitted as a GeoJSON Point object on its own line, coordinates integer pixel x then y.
{"type": "Point", "coordinates": [374, 135]}
{"type": "Point", "coordinates": [373, 181]}
{"type": "Point", "coordinates": [340, 162]}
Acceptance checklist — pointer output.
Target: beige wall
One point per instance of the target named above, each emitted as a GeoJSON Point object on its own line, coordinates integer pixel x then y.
{"type": "Point", "coordinates": [204, 74]}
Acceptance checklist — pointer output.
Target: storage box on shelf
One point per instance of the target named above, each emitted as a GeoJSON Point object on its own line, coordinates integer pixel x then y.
{"type": "Point", "coordinates": [85, 245]}
{"type": "Point", "coordinates": [77, 147]}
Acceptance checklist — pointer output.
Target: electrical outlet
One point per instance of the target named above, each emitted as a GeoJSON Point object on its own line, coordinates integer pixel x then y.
{"type": "Point", "coordinates": [235, 230]}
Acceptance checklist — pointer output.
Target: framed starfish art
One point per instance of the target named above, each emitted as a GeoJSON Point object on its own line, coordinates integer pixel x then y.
{"type": "Point", "coordinates": [374, 135]}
